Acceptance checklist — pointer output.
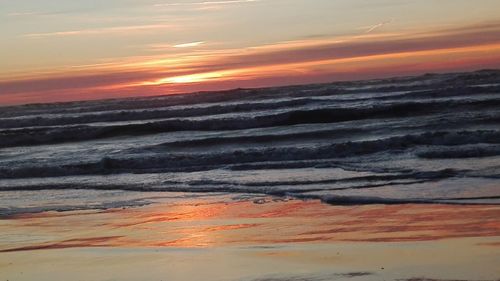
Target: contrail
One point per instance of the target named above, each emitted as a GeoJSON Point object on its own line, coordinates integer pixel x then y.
{"type": "Point", "coordinates": [379, 25]}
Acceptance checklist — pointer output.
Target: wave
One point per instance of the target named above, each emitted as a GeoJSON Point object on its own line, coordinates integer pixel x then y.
{"type": "Point", "coordinates": [61, 119]}
{"type": "Point", "coordinates": [145, 114]}
{"type": "Point", "coordinates": [161, 162]}
{"type": "Point", "coordinates": [306, 190]}
{"type": "Point", "coordinates": [368, 200]}
{"type": "Point", "coordinates": [461, 152]}
{"type": "Point", "coordinates": [41, 135]}
{"type": "Point", "coordinates": [5, 212]}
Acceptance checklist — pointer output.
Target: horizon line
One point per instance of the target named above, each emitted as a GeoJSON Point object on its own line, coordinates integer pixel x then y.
{"type": "Point", "coordinates": [138, 96]}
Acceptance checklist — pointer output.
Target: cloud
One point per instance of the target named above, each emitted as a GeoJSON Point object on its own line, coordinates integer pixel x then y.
{"type": "Point", "coordinates": [20, 14]}
{"type": "Point", "coordinates": [311, 60]}
{"type": "Point", "coordinates": [206, 3]}
{"type": "Point", "coordinates": [359, 46]}
{"type": "Point", "coordinates": [100, 31]}
{"type": "Point", "coordinates": [377, 26]}
{"type": "Point", "coordinates": [189, 45]}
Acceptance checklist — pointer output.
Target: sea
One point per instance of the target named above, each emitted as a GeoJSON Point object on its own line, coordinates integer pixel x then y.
{"type": "Point", "coordinates": [429, 139]}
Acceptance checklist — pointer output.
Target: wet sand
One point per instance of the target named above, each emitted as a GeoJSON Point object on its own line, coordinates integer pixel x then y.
{"type": "Point", "coordinates": [223, 238]}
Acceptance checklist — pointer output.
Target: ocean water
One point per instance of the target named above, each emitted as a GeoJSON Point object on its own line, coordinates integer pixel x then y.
{"type": "Point", "coordinates": [428, 139]}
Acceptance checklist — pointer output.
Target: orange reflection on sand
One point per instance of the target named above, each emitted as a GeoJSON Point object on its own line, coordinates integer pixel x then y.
{"type": "Point", "coordinates": [106, 241]}
{"type": "Point", "coordinates": [203, 236]}
{"type": "Point", "coordinates": [212, 224]}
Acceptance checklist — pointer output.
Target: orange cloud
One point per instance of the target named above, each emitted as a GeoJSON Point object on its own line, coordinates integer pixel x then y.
{"type": "Point", "coordinates": [188, 45]}
{"type": "Point", "coordinates": [302, 61]}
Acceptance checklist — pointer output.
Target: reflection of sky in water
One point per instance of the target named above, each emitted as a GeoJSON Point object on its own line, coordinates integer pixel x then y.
{"type": "Point", "coordinates": [219, 238]}
{"type": "Point", "coordinates": [221, 221]}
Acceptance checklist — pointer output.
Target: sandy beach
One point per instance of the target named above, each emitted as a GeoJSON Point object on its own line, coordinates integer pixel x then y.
{"type": "Point", "coordinates": [221, 237]}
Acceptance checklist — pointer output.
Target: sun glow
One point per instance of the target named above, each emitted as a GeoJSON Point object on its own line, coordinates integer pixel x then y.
{"type": "Point", "coordinates": [186, 79]}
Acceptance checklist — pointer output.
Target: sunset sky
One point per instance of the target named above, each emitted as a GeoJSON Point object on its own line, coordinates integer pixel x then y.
{"type": "Point", "coordinates": [62, 50]}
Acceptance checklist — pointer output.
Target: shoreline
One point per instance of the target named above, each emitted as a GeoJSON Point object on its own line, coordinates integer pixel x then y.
{"type": "Point", "coordinates": [223, 238]}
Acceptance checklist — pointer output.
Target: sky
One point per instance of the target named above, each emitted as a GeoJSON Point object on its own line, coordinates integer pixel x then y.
{"type": "Point", "coordinates": [62, 50]}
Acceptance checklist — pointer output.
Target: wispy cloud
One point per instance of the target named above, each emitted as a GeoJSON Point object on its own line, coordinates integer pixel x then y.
{"type": "Point", "coordinates": [20, 14]}
{"type": "Point", "coordinates": [172, 47]}
{"type": "Point", "coordinates": [100, 31]}
{"type": "Point", "coordinates": [206, 3]}
{"type": "Point", "coordinates": [188, 45]}
{"type": "Point", "coordinates": [377, 26]}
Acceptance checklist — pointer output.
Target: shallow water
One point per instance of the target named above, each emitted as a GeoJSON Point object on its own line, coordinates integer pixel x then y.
{"type": "Point", "coordinates": [219, 237]}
